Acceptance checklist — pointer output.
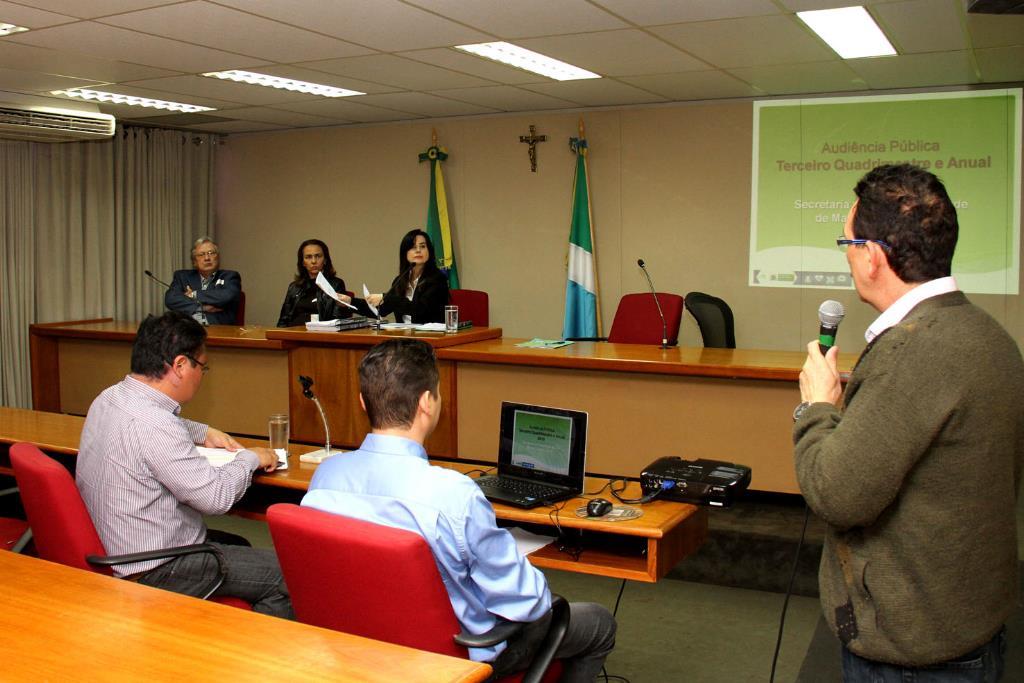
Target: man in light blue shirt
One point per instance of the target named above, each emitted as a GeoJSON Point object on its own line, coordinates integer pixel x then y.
{"type": "Point", "coordinates": [389, 481]}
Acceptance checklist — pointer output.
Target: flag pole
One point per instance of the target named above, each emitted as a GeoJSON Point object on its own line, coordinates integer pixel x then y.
{"type": "Point", "coordinates": [593, 242]}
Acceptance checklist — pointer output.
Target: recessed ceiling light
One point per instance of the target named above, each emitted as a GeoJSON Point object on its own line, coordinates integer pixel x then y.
{"type": "Point", "coordinates": [8, 29]}
{"type": "Point", "coordinates": [114, 98]}
{"type": "Point", "coordinates": [528, 60]}
{"type": "Point", "coordinates": [850, 31]}
{"type": "Point", "coordinates": [283, 83]}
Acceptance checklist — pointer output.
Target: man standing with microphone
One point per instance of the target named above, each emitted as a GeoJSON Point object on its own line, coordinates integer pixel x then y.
{"type": "Point", "coordinates": [916, 468]}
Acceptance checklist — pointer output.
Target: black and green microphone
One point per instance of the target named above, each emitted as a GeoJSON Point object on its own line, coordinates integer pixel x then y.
{"type": "Point", "coordinates": [830, 314]}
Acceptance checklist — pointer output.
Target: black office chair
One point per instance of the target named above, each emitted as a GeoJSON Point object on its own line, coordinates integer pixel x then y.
{"type": "Point", "coordinates": [714, 318]}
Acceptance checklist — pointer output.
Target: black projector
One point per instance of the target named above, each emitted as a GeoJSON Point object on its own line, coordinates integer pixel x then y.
{"type": "Point", "coordinates": [699, 482]}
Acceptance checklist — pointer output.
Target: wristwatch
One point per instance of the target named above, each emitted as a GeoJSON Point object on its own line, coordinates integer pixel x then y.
{"type": "Point", "coordinates": [799, 411]}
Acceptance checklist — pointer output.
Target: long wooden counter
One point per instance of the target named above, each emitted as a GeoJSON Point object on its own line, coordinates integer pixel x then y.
{"type": "Point", "coordinates": [644, 402]}
{"type": "Point", "coordinates": [61, 623]}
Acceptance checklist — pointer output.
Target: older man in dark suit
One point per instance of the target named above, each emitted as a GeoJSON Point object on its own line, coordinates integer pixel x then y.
{"type": "Point", "coordinates": [207, 293]}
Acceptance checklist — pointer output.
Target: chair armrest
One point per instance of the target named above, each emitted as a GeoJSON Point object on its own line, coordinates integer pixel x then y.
{"type": "Point", "coordinates": [499, 633]}
{"type": "Point", "coordinates": [577, 339]}
{"type": "Point", "coordinates": [166, 553]}
{"type": "Point", "coordinates": [506, 629]}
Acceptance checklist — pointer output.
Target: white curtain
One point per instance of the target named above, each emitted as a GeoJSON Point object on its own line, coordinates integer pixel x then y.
{"type": "Point", "coordinates": [81, 221]}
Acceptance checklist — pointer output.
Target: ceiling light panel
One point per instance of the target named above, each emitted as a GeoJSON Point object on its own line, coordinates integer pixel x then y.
{"type": "Point", "coordinates": [528, 60]}
{"type": "Point", "coordinates": [8, 29]}
{"type": "Point", "coordinates": [282, 83]}
{"type": "Point", "coordinates": [850, 31]}
{"type": "Point", "coordinates": [130, 100]}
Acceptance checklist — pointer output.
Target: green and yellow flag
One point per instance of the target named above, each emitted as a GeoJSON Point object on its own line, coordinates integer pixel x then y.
{"type": "Point", "coordinates": [438, 226]}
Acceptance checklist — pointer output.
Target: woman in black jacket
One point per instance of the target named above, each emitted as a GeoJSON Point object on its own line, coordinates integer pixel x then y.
{"type": "Point", "coordinates": [420, 292]}
{"type": "Point", "coordinates": [304, 298]}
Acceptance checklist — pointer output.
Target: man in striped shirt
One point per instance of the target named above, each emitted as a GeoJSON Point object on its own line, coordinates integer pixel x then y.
{"type": "Point", "coordinates": [147, 487]}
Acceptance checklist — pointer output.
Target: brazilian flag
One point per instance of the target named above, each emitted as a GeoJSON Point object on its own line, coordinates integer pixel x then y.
{"type": "Point", "coordinates": [438, 226]}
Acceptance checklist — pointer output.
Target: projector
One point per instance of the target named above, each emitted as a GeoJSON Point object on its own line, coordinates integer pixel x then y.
{"type": "Point", "coordinates": [699, 482]}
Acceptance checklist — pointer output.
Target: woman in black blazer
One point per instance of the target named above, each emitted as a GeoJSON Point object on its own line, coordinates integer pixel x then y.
{"type": "Point", "coordinates": [303, 297]}
{"type": "Point", "coordinates": [420, 292]}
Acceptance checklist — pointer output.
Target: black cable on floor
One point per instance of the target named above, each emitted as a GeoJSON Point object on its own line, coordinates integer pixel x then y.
{"type": "Point", "coordinates": [607, 676]}
{"type": "Point", "coordinates": [789, 590]}
{"type": "Point", "coordinates": [621, 588]}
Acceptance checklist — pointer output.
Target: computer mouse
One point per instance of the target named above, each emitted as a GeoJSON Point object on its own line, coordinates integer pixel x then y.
{"type": "Point", "coordinates": [598, 507]}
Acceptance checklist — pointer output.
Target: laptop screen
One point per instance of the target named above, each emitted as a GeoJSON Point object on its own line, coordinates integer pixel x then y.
{"type": "Point", "coordinates": [543, 443]}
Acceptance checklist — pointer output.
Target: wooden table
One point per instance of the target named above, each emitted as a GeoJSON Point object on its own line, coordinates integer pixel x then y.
{"type": "Point", "coordinates": [61, 623]}
{"type": "Point", "coordinates": [644, 402]}
{"type": "Point", "coordinates": [644, 549]}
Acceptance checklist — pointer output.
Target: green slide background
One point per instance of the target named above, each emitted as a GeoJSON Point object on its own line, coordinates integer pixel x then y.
{"type": "Point", "coordinates": [795, 247]}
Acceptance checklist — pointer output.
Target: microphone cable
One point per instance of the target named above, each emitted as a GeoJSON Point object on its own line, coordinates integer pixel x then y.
{"type": "Point", "coordinates": [789, 591]}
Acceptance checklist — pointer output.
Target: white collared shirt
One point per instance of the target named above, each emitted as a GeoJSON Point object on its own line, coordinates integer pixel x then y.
{"type": "Point", "coordinates": [902, 306]}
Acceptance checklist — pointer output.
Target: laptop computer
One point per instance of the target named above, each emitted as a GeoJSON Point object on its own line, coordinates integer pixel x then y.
{"type": "Point", "coordinates": [541, 456]}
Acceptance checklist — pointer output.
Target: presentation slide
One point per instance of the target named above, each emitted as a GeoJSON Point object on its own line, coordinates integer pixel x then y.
{"type": "Point", "coordinates": [808, 155]}
{"type": "Point", "coordinates": [542, 442]}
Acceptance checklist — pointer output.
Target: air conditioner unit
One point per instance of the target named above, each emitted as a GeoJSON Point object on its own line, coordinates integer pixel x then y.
{"type": "Point", "coordinates": [49, 124]}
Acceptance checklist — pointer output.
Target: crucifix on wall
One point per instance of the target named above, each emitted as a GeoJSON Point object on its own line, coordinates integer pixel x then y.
{"type": "Point", "coordinates": [532, 139]}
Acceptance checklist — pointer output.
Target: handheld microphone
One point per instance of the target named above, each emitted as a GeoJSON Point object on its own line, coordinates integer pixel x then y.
{"type": "Point", "coordinates": [154, 278]}
{"type": "Point", "coordinates": [830, 314]}
{"type": "Point", "coordinates": [664, 325]}
{"type": "Point", "coordinates": [319, 456]}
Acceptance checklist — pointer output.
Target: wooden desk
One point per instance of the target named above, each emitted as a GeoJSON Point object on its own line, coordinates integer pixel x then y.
{"type": "Point", "coordinates": [61, 623]}
{"type": "Point", "coordinates": [644, 549]}
{"type": "Point", "coordinates": [644, 402]}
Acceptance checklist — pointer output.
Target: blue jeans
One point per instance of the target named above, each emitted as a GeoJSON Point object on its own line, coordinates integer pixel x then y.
{"type": "Point", "coordinates": [252, 574]}
{"type": "Point", "coordinates": [587, 643]}
{"type": "Point", "coordinates": [983, 665]}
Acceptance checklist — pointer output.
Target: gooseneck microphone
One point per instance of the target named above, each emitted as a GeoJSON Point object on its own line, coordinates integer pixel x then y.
{"type": "Point", "coordinates": [325, 452]}
{"type": "Point", "coordinates": [155, 279]}
{"type": "Point", "coordinates": [830, 314]}
{"type": "Point", "coordinates": [664, 325]}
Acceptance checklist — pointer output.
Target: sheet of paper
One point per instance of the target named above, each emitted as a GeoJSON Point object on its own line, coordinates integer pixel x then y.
{"type": "Point", "coordinates": [538, 343]}
{"type": "Point", "coordinates": [366, 295]}
{"type": "Point", "coordinates": [397, 326]}
{"type": "Point", "coordinates": [430, 327]}
{"type": "Point", "coordinates": [323, 284]}
{"type": "Point", "coordinates": [527, 542]}
{"type": "Point", "coordinates": [218, 457]}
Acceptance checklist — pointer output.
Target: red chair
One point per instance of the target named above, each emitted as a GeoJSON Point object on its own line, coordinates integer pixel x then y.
{"type": "Point", "coordinates": [380, 582]}
{"type": "Point", "coordinates": [637, 320]}
{"type": "Point", "coordinates": [64, 532]}
{"type": "Point", "coordinates": [473, 304]}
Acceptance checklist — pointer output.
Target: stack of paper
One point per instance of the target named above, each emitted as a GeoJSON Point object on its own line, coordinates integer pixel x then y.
{"type": "Point", "coordinates": [323, 325]}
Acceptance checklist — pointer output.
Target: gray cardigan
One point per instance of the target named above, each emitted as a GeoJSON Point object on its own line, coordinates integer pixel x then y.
{"type": "Point", "coordinates": [917, 478]}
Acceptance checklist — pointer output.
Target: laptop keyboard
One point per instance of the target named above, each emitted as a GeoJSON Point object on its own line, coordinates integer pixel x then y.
{"type": "Point", "coordinates": [517, 487]}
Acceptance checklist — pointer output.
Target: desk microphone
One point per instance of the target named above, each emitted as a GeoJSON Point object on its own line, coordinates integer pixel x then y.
{"type": "Point", "coordinates": [830, 314]}
{"type": "Point", "coordinates": [325, 452]}
{"type": "Point", "coordinates": [664, 325]}
{"type": "Point", "coordinates": [154, 278]}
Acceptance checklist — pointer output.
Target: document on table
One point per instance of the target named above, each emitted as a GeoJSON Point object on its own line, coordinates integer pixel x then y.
{"type": "Point", "coordinates": [323, 284]}
{"type": "Point", "coordinates": [218, 457]}
{"type": "Point", "coordinates": [538, 343]}
{"type": "Point", "coordinates": [527, 542]}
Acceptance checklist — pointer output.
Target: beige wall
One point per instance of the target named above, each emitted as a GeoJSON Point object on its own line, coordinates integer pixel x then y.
{"type": "Point", "coordinates": [669, 184]}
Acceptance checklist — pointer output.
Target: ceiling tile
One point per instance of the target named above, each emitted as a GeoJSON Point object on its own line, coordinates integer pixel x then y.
{"type": "Point", "coordinates": [200, 86]}
{"type": "Point", "coordinates": [522, 18]}
{"type": "Point", "coordinates": [922, 25]}
{"type": "Point", "coordinates": [128, 46]}
{"type": "Point", "coordinates": [350, 109]}
{"type": "Point", "coordinates": [396, 71]}
{"type": "Point", "coordinates": [506, 98]}
{"type": "Point", "coordinates": [29, 17]}
{"type": "Point", "coordinates": [238, 127]}
{"type": "Point", "coordinates": [87, 9]}
{"type": "Point", "coordinates": [996, 30]}
{"type": "Point", "coordinates": [785, 79]}
{"type": "Point", "coordinates": [35, 82]}
{"type": "Point", "coordinates": [387, 25]}
{"type": "Point", "coordinates": [595, 92]}
{"type": "Point", "coordinates": [694, 85]}
{"type": "Point", "coordinates": [279, 116]}
{"type": "Point", "coordinates": [45, 60]}
{"type": "Point", "coordinates": [1001, 64]}
{"type": "Point", "coordinates": [916, 71]}
{"type": "Point", "coordinates": [653, 12]}
{"type": "Point", "coordinates": [425, 104]}
{"type": "Point", "coordinates": [227, 29]}
{"type": "Point", "coordinates": [752, 41]}
{"type": "Point", "coordinates": [463, 62]}
{"type": "Point", "coordinates": [616, 53]}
